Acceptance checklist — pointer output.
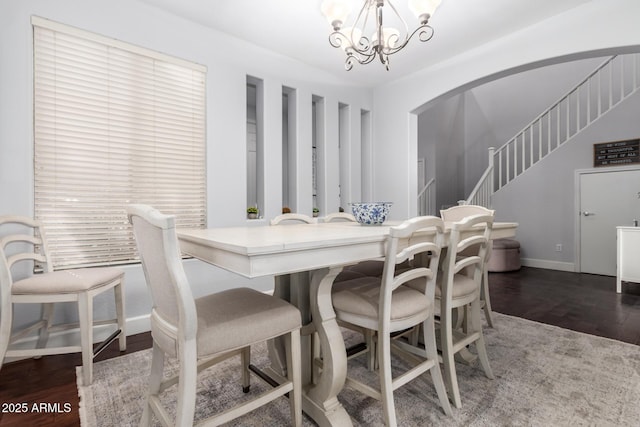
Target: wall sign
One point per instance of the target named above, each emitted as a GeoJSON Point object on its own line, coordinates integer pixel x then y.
{"type": "Point", "coordinates": [616, 153]}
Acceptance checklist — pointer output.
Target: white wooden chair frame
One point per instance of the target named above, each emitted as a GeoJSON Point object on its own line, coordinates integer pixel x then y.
{"type": "Point", "coordinates": [339, 216]}
{"type": "Point", "coordinates": [458, 213]}
{"type": "Point", "coordinates": [452, 339]}
{"type": "Point", "coordinates": [83, 299]}
{"type": "Point", "coordinates": [293, 217]}
{"type": "Point", "coordinates": [184, 334]}
{"type": "Point", "coordinates": [424, 359]}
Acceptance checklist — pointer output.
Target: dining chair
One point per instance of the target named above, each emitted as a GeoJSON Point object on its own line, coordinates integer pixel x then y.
{"type": "Point", "coordinates": [361, 269]}
{"type": "Point", "coordinates": [23, 240]}
{"type": "Point", "coordinates": [386, 306]}
{"type": "Point", "coordinates": [349, 272]}
{"type": "Point", "coordinates": [458, 213]}
{"type": "Point", "coordinates": [292, 218]}
{"type": "Point", "coordinates": [201, 332]}
{"type": "Point", "coordinates": [284, 289]}
{"type": "Point", "coordinates": [459, 286]}
{"type": "Point", "coordinates": [339, 216]}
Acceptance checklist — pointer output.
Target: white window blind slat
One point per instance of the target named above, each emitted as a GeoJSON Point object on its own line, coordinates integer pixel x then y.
{"type": "Point", "coordinates": [114, 124]}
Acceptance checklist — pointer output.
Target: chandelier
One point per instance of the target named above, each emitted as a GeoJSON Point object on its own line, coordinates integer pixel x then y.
{"type": "Point", "coordinates": [383, 41]}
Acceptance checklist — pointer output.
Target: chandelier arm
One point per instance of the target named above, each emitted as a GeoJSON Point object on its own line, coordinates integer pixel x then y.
{"type": "Point", "coordinates": [360, 59]}
{"type": "Point", "coordinates": [363, 17]}
{"type": "Point", "coordinates": [338, 38]}
{"type": "Point", "coordinates": [404, 22]}
{"type": "Point", "coordinates": [363, 45]}
{"type": "Point", "coordinates": [335, 39]}
{"type": "Point", "coordinates": [425, 33]}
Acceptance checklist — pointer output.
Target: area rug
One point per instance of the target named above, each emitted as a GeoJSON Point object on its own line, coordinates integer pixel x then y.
{"type": "Point", "coordinates": [545, 376]}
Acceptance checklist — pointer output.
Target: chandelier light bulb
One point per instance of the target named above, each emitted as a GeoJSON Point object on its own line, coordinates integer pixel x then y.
{"type": "Point", "coordinates": [336, 12]}
{"type": "Point", "coordinates": [423, 9]}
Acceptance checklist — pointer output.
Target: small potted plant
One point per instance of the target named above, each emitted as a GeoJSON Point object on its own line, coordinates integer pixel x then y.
{"type": "Point", "coordinates": [316, 211]}
{"type": "Point", "coordinates": [252, 212]}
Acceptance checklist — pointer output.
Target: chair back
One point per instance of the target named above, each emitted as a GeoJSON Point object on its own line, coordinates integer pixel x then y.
{"type": "Point", "coordinates": [292, 217]}
{"type": "Point", "coordinates": [460, 212]}
{"type": "Point", "coordinates": [173, 304]}
{"type": "Point", "coordinates": [404, 243]}
{"type": "Point", "coordinates": [340, 216]}
{"type": "Point", "coordinates": [6, 306]}
{"type": "Point", "coordinates": [23, 239]}
{"type": "Point", "coordinates": [467, 249]}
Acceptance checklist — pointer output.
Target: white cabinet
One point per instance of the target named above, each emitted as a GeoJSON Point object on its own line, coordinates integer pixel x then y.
{"type": "Point", "coordinates": [628, 256]}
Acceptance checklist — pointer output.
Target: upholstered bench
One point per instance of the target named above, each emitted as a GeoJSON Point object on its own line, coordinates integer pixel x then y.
{"type": "Point", "coordinates": [505, 255]}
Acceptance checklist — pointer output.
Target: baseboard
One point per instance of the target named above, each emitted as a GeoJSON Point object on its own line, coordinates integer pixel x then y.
{"type": "Point", "coordinates": [549, 265]}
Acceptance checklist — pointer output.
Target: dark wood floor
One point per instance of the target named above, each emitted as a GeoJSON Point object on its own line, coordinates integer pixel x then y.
{"type": "Point", "coordinates": [581, 302]}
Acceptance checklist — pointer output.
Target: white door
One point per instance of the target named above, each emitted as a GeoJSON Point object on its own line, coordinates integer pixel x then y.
{"type": "Point", "coordinates": [606, 199]}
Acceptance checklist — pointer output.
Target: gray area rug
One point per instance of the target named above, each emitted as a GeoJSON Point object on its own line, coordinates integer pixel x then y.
{"type": "Point", "coordinates": [545, 376]}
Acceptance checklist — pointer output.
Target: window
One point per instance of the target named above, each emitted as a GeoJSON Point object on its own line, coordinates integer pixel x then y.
{"type": "Point", "coordinates": [113, 124]}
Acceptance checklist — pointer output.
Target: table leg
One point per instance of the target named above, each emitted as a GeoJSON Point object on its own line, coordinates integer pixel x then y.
{"type": "Point", "coordinates": [320, 399]}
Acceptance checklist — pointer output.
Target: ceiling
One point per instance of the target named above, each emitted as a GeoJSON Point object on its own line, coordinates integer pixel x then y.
{"type": "Point", "coordinates": [297, 29]}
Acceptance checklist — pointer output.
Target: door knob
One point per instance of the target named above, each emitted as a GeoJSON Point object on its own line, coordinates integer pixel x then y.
{"type": "Point", "coordinates": [587, 213]}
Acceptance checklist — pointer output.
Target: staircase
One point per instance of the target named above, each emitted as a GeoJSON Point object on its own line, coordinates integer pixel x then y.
{"type": "Point", "coordinates": [427, 199]}
{"type": "Point", "coordinates": [612, 82]}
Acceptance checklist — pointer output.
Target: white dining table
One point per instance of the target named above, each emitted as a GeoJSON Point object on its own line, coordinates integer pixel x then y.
{"type": "Point", "coordinates": [312, 255]}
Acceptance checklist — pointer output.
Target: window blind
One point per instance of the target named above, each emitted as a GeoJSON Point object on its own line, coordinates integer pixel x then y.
{"type": "Point", "coordinates": [114, 124]}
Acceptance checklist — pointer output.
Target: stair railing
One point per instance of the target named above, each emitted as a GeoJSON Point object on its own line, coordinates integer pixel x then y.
{"type": "Point", "coordinates": [426, 198]}
{"type": "Point", "coordinates": [609, 84]}
{"type": "Point", "coordinates": [483, 191]}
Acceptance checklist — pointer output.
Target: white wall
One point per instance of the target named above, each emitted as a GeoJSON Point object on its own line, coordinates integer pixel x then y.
{"type": "Point", "coordinates": [229, 61]}
{"type": "Point", "coordinates": [567, 36]}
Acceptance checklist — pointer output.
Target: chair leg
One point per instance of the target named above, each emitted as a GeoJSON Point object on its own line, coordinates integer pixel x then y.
{"type": "Point", "coordinates": [371, 347]}
{"type": "Point", "coordinates": [6, 317]}
{"type": "Point", "coordinates": [446, 341]}
{"type": "Point", "coordinates": [294, 374]}
{"type": "Point", "coordinates": [47, 319]}
{"type": "Point", "coordinates": [85, 318]}
{"type": "Point", "coordinates": [187, 383]}
{"type": "Point", "coordinates": [155, 381]}
{"type": "Point", "coordinates": [282, 290]}
{"type": "Point", "coordinates": [488, 313]}
{"type": "Point", "coordinates": [386, 380]}
{"type": "Point", "coordinates": [414, 338]}
{"type": "Point", "coordinates": [480, 345]}
{"type": "Point", "coordinates": [431, 350]}
{"type": "Point", "coordinates": [118, 291]}
{"type": "Point", "coordinates": [245, 359]}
